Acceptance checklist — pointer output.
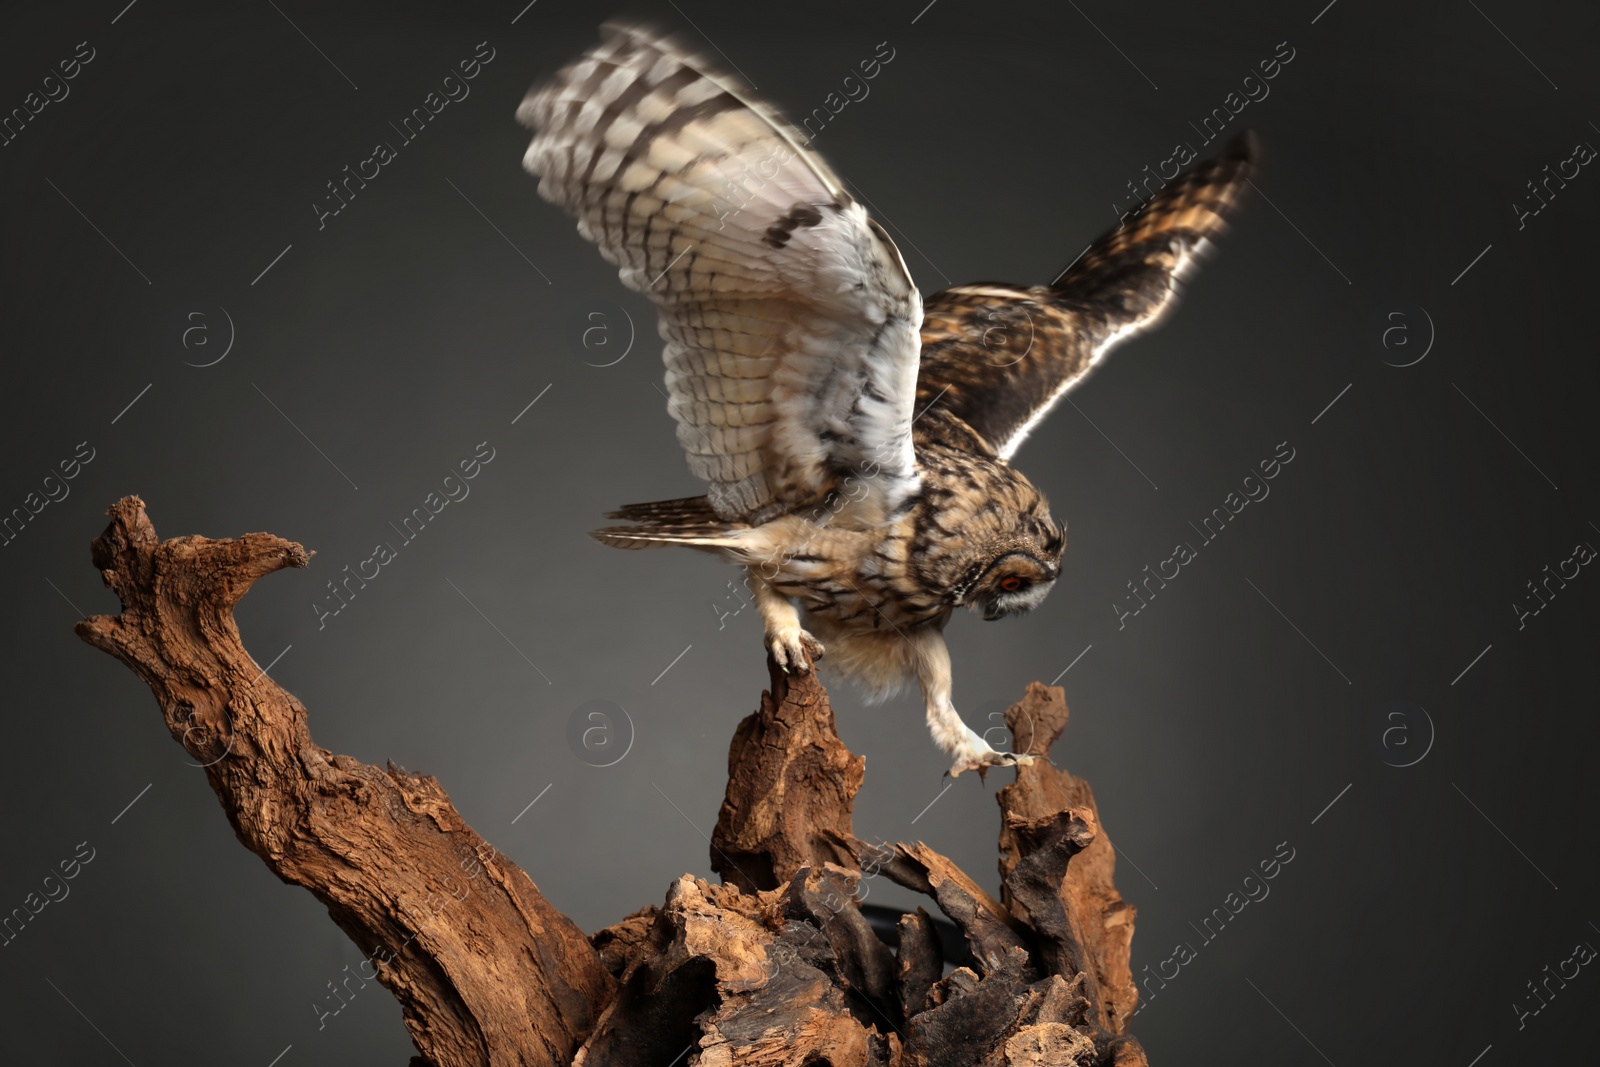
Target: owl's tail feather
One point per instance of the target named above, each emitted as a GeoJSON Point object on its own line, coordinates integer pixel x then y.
{"type": "Point", "coordinates": [688, 509]}
{"type": "Point", "coordinates": [688, 521]}
{"type": "Point", "coordinates": [658, 536]}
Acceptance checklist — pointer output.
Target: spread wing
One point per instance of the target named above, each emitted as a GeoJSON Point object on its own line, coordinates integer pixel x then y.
{"type": "Point", "coordinates": [1000, 356]}
{"type": "Point", "coordinates": [789, 318]}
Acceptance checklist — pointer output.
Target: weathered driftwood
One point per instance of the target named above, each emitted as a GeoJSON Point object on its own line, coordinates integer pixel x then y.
{"type": "Point", "coordinates": [777, 967]}
{"type": "Point", "coordinates": [486, 971]}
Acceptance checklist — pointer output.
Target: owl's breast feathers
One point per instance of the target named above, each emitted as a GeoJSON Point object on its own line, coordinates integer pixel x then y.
{"type": "Point", "coordinates": [910, 569]}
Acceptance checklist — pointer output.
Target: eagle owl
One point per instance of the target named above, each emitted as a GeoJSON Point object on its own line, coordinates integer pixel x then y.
{"type": "Point", "coordinates": [856, 439]}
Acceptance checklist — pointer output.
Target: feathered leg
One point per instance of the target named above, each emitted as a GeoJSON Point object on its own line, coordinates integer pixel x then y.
{"type": "Point", "coordinates": [968, 749]}
{"type": "Point", "coordinates": [791, 646]}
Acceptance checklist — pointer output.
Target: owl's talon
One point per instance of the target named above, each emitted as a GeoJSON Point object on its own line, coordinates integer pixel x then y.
{"type": "Point", "coordinates": [794, 648]}
{"type": "Point", "coordinates": [981, 763]}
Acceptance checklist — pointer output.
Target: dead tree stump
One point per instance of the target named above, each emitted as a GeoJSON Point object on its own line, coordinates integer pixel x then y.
{"type": "Point", "coordinates": [776, 967]}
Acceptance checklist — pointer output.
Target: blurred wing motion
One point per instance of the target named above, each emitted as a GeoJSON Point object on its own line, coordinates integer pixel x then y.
{"type": "Point", "coordinates": [1000, 357]}
{"type": "Point", "coordinates": [789, 318]}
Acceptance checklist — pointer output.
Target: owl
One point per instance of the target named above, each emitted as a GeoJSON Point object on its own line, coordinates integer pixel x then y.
{"type": "Point", "coordinates": [856, 439]}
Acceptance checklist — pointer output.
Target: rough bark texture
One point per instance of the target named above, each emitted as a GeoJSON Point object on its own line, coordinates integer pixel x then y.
{"type": "Point", "coordinates": [487, 972]}
{"type": "Point", "coordinates": [1096, 916]}
{"type": "Point", "coordinates": [777, 967]}
{"type": "Point", "coordinates": [791, 788]}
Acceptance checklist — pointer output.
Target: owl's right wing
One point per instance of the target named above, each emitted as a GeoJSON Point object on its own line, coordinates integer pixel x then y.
{"type": "Point", "coordinates": [1000, 357]}
{"type": "Point", "coordinates": [789, 318]}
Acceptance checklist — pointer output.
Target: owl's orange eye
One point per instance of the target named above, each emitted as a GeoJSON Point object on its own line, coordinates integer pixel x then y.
{"type": "Point", "coordinates": [1011, 584]}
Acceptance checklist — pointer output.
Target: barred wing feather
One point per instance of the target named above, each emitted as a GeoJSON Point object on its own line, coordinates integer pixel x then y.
{"type": "Point", "coordinates": [790, 321]}
{"type": "Point", "coordinates": [1001, 357]}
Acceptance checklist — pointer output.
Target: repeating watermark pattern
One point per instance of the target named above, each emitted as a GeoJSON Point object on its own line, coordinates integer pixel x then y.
{"type": "Point", "coordinates": [1255, 490]}
{"type": "Point", "coordinates": [1503, 435]}
{"type": "Point", "coordinates": [1335, 400]}
{"type": "Point", "coordinates": [1253, 889]}
{"type": "Point", "coordinates": [201, 740]}
{"type": "Point", "coordinates": [1255, 89]}
{"type": "Point", "coordinates": [349, 994]}
{"type": "Point", "coordinates": [737, 599]}
{"type": "Point", "coordinates": [1507, 837]}
{"type": "Point", "coordinates": [454, 89]}
{"type": "Point", "coordinates": [603, 336]}
{"type": "Point", "coordinates": [1071, 665]}
{"type": "Point", "coordinates": [1474, 263]}
{"type": "Point", "coordinates": [499, 231]}
{"type": "Point", "coordinates": [1473, 664]}
{"type": "Point", "coordinates": [1234, 102]}
{"type": "Point", "coordinates": [1513, 44]}
{"type": "Point", "coordinates": [1543, 592]}
{"type": "Point", "coordinates": [1542, 991]}
{"type": "Point", "coordinates": [53, 490]}
{"type": "Point", "coordinates": [326, 58]}
{"type": "Point", "coordinates": [1402, 333]}
{"type": "Point", "coordinates": [532, 402]}
{"type": "Point", "coordinates": [739, 189]}
{"type": "Point", "coordinates": [496, 627]}
{"type": "Point", "coordinates": [1582, 154]}
{"type": "Point", "coordinates": [198, 738]}
{"type": "Point", "coordinates": [1407, 733]}
{"type": "Point", "coordinates": [302, 433]}
{"type": "Point", "coordinates": [1001, 321]}
{"type": "Point", "coordinates": [671, 665]}
{"type": "Point", "coordinates": [1299, 631]}
{"type": "Point", "coordinates": [274, 263]}
{"type": "Point", "coordinates": [997, 734]}
{"type": "Point", "coordinates": [531, 803]}
{"type": "Point", "coordinates": [472, 864]}
{"type": "Point", "coordinates": [198, 341]}
{"type": "Point", "coordinates": [855, 89]}
{"type": "Point", "coordinates": [54, 889]}
{"type": "Point", "coordinates": [53, 89]}
{"type": "Point", "coordinates": [1109, 41]}
{"type": "Point", "coordinates": [1329, 805]}
{"type": "Point", "coordinates": [452, 489]}
{"type": "Point", "coordinates": [600, 733]}
{"type": "Point", "coordinates": [799, 934]}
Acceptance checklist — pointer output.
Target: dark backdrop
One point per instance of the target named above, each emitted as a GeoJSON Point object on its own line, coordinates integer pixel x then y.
{"type": "Point", "coordinates": [1364, 615]}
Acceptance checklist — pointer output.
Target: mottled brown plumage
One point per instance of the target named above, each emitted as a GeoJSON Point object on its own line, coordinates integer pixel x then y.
{"type": "Point", "coordinates": [1000, 356]}
{"type": "Point", "coordinates": [858, 467]}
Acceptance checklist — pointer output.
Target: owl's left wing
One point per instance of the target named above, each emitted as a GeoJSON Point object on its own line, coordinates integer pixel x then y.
{"type": "Point", "coordinates": [1000, 357]}
{"type": "Point", "coordinates": [789, 318]}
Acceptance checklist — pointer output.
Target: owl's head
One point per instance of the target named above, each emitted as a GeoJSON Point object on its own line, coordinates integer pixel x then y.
{"type": "Point", "coordinates": [1018, 570]}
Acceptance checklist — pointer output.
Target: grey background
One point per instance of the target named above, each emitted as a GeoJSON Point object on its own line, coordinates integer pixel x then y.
{"type": "Point", "coordinates": [1214, 726]}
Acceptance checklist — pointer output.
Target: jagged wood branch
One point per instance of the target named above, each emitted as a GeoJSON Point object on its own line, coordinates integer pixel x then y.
{"type": "Point", "coordinates": [486, 971]}
{"type": "Point", "coordinates": [778, 967]}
